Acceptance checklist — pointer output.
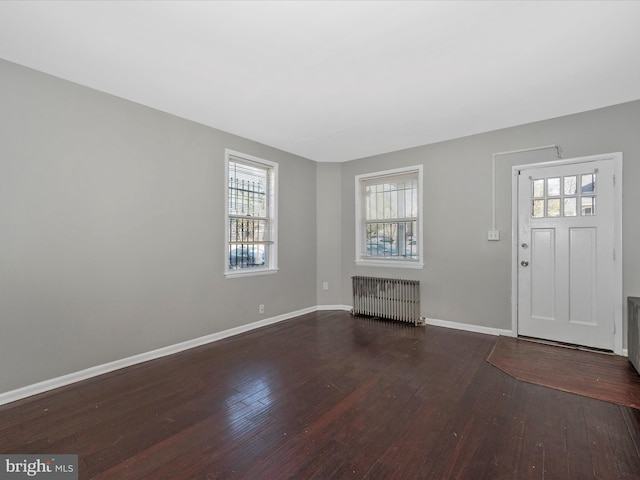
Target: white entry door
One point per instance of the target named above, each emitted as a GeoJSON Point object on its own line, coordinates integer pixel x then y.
{"type": "Point", "coordinates": [566, 256]}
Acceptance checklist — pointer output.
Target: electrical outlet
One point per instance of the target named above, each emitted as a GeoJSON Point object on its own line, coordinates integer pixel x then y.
{"type": "Point", "coordinates": [325, 285]}
{"type": "Point", "coordinates": [493, 235]}
{"type": "Point", "coordinates": [261, 308]}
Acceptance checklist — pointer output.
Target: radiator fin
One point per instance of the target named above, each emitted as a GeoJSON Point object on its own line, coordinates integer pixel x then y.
{"type": "Point", "coordinates": [390, 298]}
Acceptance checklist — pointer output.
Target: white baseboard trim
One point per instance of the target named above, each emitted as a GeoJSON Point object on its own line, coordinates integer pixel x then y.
{"type": "Point", "coordinates": [334, 307]}
{"type": "Point", "coordinates": [64, 380]}
{"type": "Point", "coordinates": [455, 325]}
{"type": "Point", "coordinates": [470, 328]}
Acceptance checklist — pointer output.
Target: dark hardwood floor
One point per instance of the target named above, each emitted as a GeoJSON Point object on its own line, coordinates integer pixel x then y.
{"type": "Point", "coordinates": [604, 376]}
{"type": "Point", "coordinates": [322, 396]}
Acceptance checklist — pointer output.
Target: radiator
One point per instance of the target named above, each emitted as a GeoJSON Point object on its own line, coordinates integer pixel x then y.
{"type": "Point", "coordinates": [388, 298]}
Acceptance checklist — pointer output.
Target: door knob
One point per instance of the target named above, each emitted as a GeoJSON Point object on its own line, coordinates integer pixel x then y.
{"type": "Point", "coordinates": [524, 263]}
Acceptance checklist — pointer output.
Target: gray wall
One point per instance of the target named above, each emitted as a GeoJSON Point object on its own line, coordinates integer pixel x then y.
{"type": "Point", "coordinates": [111, 230]}
{"type": "Point", "coordinates": [111, 240]}
{"type": "Point", "coordinates": [329, 218]}
{"type": "Point", "coordinates": [466, 278]}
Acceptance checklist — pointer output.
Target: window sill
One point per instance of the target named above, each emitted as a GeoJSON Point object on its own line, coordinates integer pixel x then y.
{"type": "Point", "coordinates": [389, 263]}
{"type": "Point", "coordinates": [250, 273]}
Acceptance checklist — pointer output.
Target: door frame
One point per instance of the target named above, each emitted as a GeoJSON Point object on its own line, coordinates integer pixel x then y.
{"type": "Point", "coordinates": [618, 347]}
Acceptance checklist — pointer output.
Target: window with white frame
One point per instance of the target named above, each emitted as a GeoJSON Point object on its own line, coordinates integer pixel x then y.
{"type": "Point", "coordinates": [388, 218]}
{"type": "Point", "coordinates": [250, 223]}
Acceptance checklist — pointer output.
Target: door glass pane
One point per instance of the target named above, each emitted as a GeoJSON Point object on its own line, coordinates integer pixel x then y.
{"type": "Point", "coordinates": [553, 207]}
{"type": "Point", "coordinates": [588, 183]}
{"type": "Point", "coordinates": [570, 207]}
{"type": "Point", "coordinates": [538, 188]}
{"type": "Point", "coordinates": [588, 205]}
{"type": "Point", "coordinates": [553, 187]}
{"type": "Point", "coordinates": [571, 185]}
{"type": "Point", "coordinates": [537, 209]}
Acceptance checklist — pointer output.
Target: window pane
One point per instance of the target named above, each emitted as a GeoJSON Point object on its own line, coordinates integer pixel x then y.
{"type": "Point", "coordinates": [379, 201]}
{"type": "Point", "coordinates": [538, 188]}
{"type": "Point", "coordinates": [553, 207]}
{"type": "Point", "coordinates": [379, 239]}
{"type": "Point", "coordinates": [414, 199]}
{"type": "Point", "coordinates": [588, 184]}
{"type": "Point", "coordinates": [537, 208]}
{"type": "Point", "coordinates": [246, 256]}
{"type": "Point", "coordinates": [570, 207]}
{"type": "Point", "coordinates": [370, 202]}
{"type": "Point", "coordinates": [588, 206]}
{"type": "Point", "coordinates": [393, 203]}
{"type": "Point", "coordinates": [553, 186]}
{"type": "Point", "coordinates": [247, 190]}
{"type": "Point", "coordinates": [390, 200]}
{"type": "Point", "coordinates": [410, 243]}
{"type": "Point", "coordinates": [391, 239]}
{"type": "Point", "coordinates": [251, 216]}
{"type": "Point", "coordinates": [571, 185]}
{"type": "Point", "coordinates": [408, 203]}
{"type": "Point", "coordinates": [245, 229]}
{"type": "Point", "coordinates": [389, 228]}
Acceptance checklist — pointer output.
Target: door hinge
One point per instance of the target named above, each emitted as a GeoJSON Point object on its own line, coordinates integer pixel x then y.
{"type": "Point", "coordinates": [614, 254]}
{"type": "Point", "coordinates": [614, 180]}
{"type": "Point", "coordinates": [614, 326]}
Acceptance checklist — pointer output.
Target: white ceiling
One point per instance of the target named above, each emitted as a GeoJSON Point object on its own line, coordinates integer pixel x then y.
{"type": "Point", "coordinates": [334, 81]}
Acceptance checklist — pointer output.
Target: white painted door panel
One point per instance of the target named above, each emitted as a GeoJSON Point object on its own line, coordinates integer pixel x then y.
{"type": "Point", "coordinates": [543, 269]}
{"type": "Point", "coordinates": [583, 291]}
{"type": "Point", "coordinates": [565, 253]}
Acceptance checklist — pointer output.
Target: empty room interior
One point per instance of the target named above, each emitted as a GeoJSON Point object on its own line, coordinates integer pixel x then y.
{"type": "Point", "coordinates": [320, 239]}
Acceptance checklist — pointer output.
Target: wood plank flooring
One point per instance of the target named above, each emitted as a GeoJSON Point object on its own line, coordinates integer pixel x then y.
{"type": "Point", "coordinates": [597, 375]}
{"type": "Point", "coordinates": [325, 396]}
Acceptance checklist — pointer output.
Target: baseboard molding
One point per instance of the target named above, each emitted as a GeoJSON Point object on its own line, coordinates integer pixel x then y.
{"type": "Point", "coordinates": [64, 380]}
{"type": "Point", "coordinates": [469, 328]}
{"type": "Point", "coordinates": [334, 307]}
{"type": "Point", "coordinates": [455, 325]}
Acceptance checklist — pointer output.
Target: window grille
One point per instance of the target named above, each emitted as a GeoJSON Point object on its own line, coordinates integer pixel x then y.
{"type": "Point", "coordinates": [389, 227]}
{"type": "Point", "coordinates": [250, 214]}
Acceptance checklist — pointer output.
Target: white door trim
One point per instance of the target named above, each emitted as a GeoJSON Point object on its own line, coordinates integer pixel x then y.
{"type": "Point", "coordinates": [618, 300]}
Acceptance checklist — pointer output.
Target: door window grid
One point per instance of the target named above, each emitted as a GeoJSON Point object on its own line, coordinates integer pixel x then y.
{"type": "Point", "coordinates": [568, 196]}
